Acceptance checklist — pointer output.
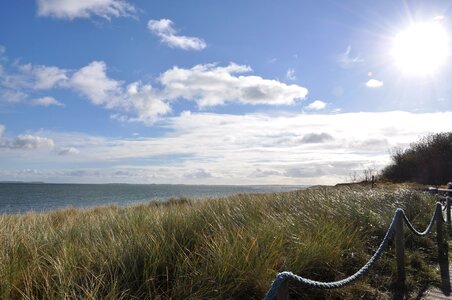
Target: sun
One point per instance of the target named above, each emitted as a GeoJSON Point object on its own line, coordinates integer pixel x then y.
{"type": "Point", "coordinates": [421, 49]}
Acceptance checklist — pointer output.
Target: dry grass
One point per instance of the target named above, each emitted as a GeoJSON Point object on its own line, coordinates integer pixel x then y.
{"type": "Point", "coordinates": [212, 249]}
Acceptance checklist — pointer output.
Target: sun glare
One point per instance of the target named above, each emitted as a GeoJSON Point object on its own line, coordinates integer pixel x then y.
{"type": "Point", "coordinates": [421, 49]}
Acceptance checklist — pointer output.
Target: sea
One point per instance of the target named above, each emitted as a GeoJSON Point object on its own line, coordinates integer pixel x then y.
{"type": "Point", "coordinates": [41, 197]}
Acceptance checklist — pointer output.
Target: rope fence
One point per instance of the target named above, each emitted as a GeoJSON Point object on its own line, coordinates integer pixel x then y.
{"type": "Point", "coordinates": [280, 290]}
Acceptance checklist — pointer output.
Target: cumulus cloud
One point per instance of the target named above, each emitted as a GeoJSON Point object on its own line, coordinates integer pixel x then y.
{"type": "Point", "coordinates": [211, 85]}
{"type": "Point", "coordinates": [68, 151]}
{"type": "Point", "coordinates": [71, 9]}
{"type": "Point", "coordinates": [141, 100]}
{"type": "Point", "coordinates": [25, 141]}
{"type": "Point", "coordinates": [46, 101]}
{"type": "Point", "coordinates": [48, 77]}
{"type": "Point", "coordinates": [146, 102]}
{"type": "Point", "coordinates": [207, 85]}
{"type": "Point", "coordinates": [346, 59]}
{"type": "Point", "coordinates": [28, 142]}
{"type": "Point", "coordinates": [29, 76]}
{"type": "Point", "coordinates": [93, 82]}
{"type": "Point", "coordinates": [316, 105]}
{"type": "Point", "coordinates": [164, 29]}
{"type": "Point", "coordinates": [18, 83]}
{"type": "Point", "coordinates": [373, 83]}
{"type": "Point", "coordinates": [290, 74]}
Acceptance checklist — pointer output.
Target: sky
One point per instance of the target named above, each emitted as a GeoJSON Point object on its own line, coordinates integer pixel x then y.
{"type": "Point", "coordinates": [218, 92]}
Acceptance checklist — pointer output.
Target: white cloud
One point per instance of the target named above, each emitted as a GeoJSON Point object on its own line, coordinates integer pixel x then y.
{"type": "Point", "coordinates": [141, 100]}
{"type": "Point", "coordinates": [46, 101]}
{"type": "Point", "coordinates": [68, 151]}
{"type": "Point", "coordinates": [291, 74]}
{"type": "Point", "coordinates": [316, 105]}
{"type": "Point", "coordinates": [207, 85]}
{"type": "Point", "coordinates": [373, 83]}
{"type": "Point", "coordinates": [211, 85]}
{"type": "Point", "coordinates": [346, 59]}
{"type": "Point", "coordinates": [241, 149]}
{"type": "Point", "coordinates": [146, 102]}
{"type": "Point", "coordinates": [25, 79]}
{"type": "Point", "coordinates": [25, 141]}
{"type": "Point", "coordinates": [165, 31]}
{"type": "Point", "coordinates": [28, 142]}
{"type": "Point", "coordinates": [11, 96]}
{"type": "Point", "coordinates": [48, 77]}
{"type": "Point", "coordinates": [71, 9]}
{"type": "Point", "coordinates": [93, 82]}
{"type": "Point", "coordinates": [35, 77]}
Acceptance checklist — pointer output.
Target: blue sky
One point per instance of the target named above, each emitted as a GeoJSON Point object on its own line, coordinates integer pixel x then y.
{"type": "Point", "coordinates": [230, 92]}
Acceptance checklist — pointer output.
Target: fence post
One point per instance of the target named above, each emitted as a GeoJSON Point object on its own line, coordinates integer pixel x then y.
{"type": "Point", "coordinates": [443, 259]}
{"type": "Point", "coordinates": [448, 216]}
{"type": "Point", "coordinates": [439, 226]}
{"type": "Point", "coordinates": [283, 291]}
{"type": "Point", "coordinates": [400, 251]}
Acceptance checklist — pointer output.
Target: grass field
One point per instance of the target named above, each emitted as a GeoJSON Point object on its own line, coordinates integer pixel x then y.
{"type": "Point", "coordinates": [228, 248]}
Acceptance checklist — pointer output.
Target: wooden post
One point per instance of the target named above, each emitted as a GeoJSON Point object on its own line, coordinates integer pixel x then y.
{"type": "Point", "coordinates": [442, 248]}
{"type": "Point", "coordinates": [400, 252]}
{"type": "Point", "coordinates": [448, 216]}
{"type": "Point", "coordinates": [283, 292]}
{"type": "Point", "coordinates": [439, 227]}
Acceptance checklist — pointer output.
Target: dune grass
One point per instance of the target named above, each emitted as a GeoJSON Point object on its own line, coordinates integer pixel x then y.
{"type": "Point", "coordinates": [213, 249]}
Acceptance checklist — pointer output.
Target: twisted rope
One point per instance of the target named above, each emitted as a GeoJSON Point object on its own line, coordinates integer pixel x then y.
{"type": "Point", "coordinates": [399, 213]}
{"type": "Point", "coordinates": [283, 276]}
{"type": "Point", "coordinates": [430, 225]}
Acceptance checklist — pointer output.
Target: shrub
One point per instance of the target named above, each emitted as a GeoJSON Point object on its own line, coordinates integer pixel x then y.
{"type": "Point", "coordinates": [428, 161]}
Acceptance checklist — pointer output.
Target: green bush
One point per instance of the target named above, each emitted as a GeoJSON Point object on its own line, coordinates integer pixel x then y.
{"type": "Point", "coordinates": [428, 161]}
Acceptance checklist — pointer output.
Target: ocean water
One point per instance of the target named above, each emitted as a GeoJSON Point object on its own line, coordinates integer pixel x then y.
{"type": "Point", "coordinates": [37, 197]}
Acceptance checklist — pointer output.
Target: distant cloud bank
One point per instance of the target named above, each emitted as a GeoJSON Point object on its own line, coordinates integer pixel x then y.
{"type": "Point", "coordinates": [214, 148]}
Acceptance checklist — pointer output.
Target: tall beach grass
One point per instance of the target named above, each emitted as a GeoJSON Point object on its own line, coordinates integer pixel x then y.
{"type": "Point", "coordinates": [227, 248]}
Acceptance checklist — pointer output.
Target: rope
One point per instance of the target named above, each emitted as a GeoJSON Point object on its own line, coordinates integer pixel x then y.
{"type": "Point", "coordinates": [281, 277]}
{"type": "Point", "coordinates": [399, 213]}
{"type": "Point", "coordinates": [430, 225]}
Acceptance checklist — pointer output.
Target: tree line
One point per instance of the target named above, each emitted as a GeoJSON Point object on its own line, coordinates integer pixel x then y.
{"type": "Point", "coordinates": [428, 161]}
